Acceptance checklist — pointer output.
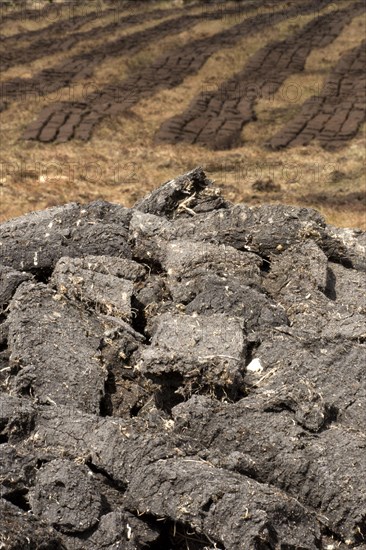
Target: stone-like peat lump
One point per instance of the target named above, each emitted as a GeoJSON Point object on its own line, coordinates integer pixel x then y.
{"type": "Point", "coordinates": [184, 374]}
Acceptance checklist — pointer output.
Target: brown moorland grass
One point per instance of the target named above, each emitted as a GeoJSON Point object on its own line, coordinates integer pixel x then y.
{"type": "Point", "coordinates": [121, 163]}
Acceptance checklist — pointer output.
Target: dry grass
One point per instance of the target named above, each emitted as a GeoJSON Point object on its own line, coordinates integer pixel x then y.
{"type": "Point", "coordinates": [121, 163]}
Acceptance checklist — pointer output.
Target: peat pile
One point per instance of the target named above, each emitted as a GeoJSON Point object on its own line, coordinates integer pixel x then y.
{"type": "Point", "coordinates": [185, 374]}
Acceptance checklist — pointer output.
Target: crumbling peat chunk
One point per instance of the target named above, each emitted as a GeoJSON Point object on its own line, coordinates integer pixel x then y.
{"type": "Point", "coordinates": [55, 348]}
{"type": "Point", "coordinates": [196, 353]}
{"type": "Point", "coordinates": [186, 374]}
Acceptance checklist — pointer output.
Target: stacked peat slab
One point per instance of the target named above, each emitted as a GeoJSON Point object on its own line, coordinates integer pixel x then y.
{"type": "Point", "coordinates": [184, 373]}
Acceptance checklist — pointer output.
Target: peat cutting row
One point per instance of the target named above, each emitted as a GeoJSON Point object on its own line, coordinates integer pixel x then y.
{"type": "Point", "coordinates": [335, 116]}
{"type": "Point", "coordinates": [184, 374]}
{"type": "Point", "coordinates": [47, 44]}
{"type": "Point", "coordinates": [62, 121]}
{"type": "Point", "coordinates": [215, 119]}
{"type": "Point", "coordinates": [7, 14]}
{"type": "Point", "coordinates": [56, 28]}
{"type": "Point", "coordinates": [82, 65]}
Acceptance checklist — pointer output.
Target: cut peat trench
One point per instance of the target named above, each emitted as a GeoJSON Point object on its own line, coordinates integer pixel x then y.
{"type": "Point", "coordinates": [334, 117]}
{"type": "Point", "coordinates": [66, 25]}
{"type": "Point", "coordinates": [215, 120]}
{"type": "Point", "coordinates": [65, 11]}
{"type": "Point", "coordinates": [26, 13]}
{"type": "Point", "coordinates": [63, 121]}
{"type": "Point", "coordinates": [81, 66]}
{"type": "Point", "coordinates": [47, 44]}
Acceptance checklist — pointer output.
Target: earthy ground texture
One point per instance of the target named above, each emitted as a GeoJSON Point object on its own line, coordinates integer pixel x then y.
{"type": "Point", "coordinates": [216, 120]}
{"type": "Point", "coordinates": [185, 374]}
{"type": "Point", "coordinates": [102, 99]}
{"type": "Point", "coordinates": [336, 115]}
{"type": "Point", "coordinates": [61, 122]}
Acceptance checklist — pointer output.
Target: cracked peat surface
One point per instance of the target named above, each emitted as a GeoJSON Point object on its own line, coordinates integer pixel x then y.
{"type": "Point", "coordinates": [187, 373]}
